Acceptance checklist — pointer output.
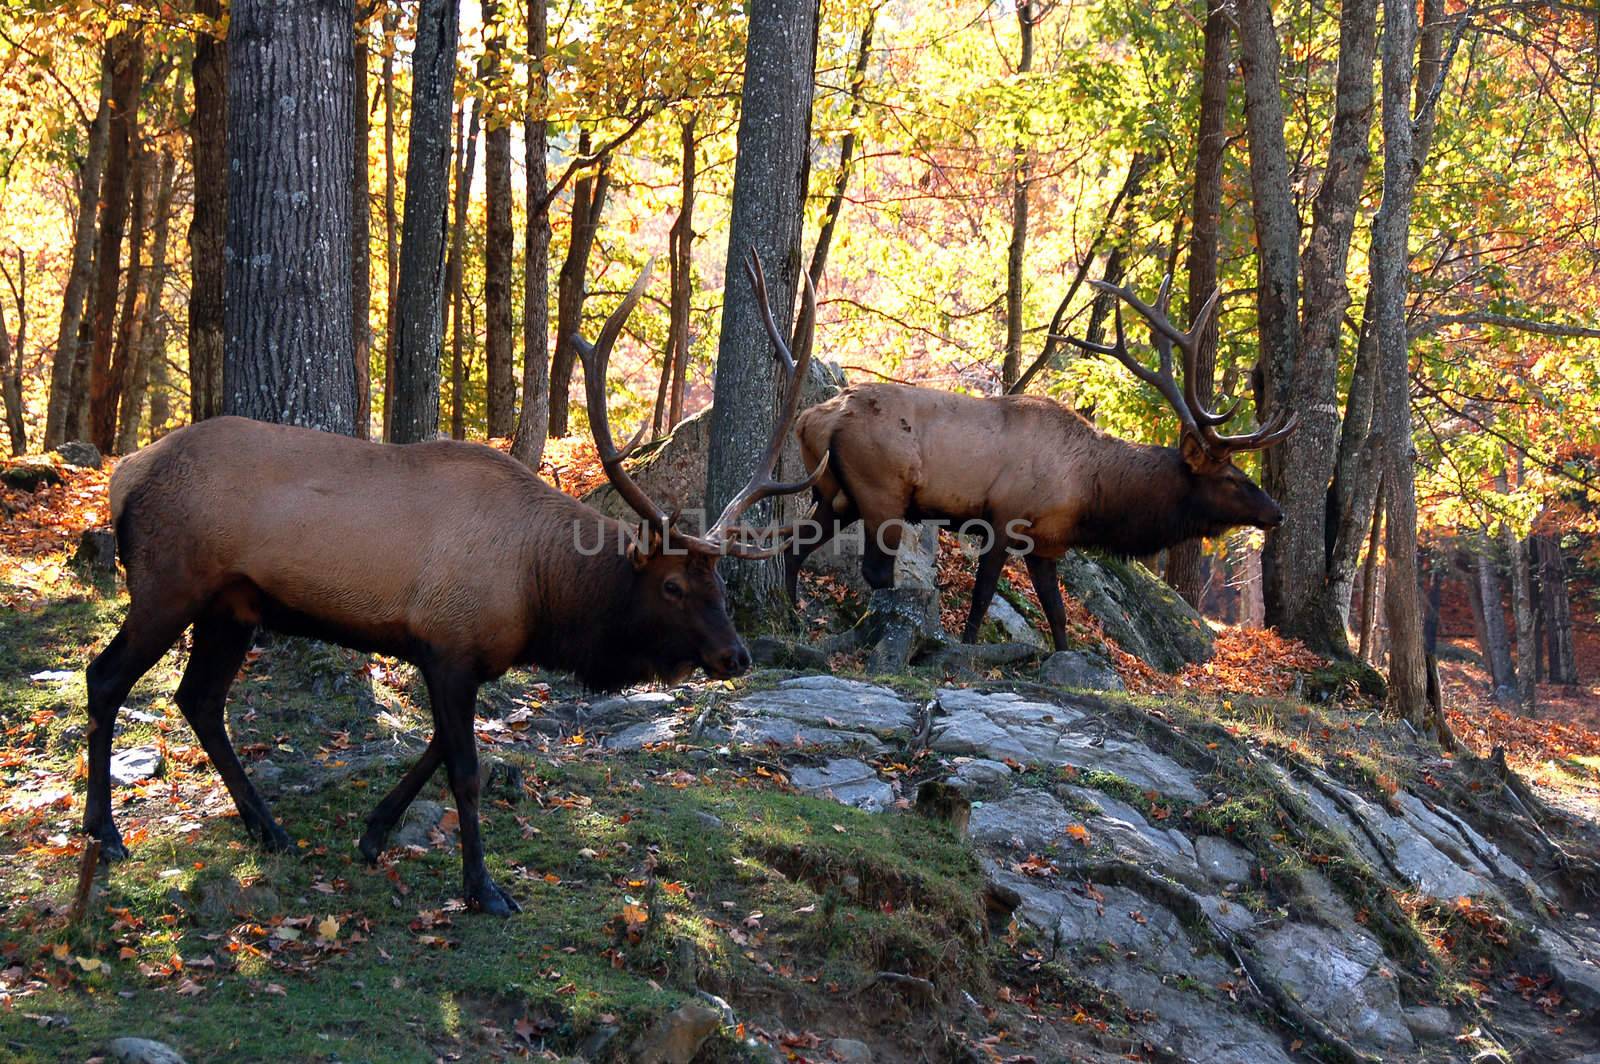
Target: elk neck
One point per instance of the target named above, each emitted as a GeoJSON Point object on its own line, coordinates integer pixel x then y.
{"type": "Point", "coordinates": [1141, 499]}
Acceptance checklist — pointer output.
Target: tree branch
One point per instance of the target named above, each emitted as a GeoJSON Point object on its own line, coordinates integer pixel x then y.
{"type": "Point", "coordinates": [1508, 321]}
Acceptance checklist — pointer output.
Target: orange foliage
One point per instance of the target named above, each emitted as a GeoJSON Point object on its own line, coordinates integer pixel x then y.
{"type": "Point", "coordinates": [51, 518]}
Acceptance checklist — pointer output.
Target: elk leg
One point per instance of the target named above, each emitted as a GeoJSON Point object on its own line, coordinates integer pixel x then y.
{"type": "Point", "coordinates": [397, 801]}
{"type": "Point", "coordinates": [989, 566]}
{"type": "Point", "coordinates": [1042, 571]}
{"type": "Point", "coordinates": [802, 548]}
{"type": "Point", "coordinates": [139, 644]}
{"type": "Point", "coordinates": [454, 693]}
{"type": "Point", "coordinates": [881, 542]}
{"type": "Point", "coordinates": [220, 644]}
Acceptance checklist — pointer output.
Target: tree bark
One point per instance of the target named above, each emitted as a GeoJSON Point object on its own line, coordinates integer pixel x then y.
{"type": "Point", "coordinates": [361, 235]}
{"type": "Point", "coordinates": [588, 201]}
{"type": "Point", "coordinates": [82, 271]}
{"type": "Point", "coordinates": [1183, 560]}
{"type": "Point", "coordinates": [769, 188]}
{"type": "Point", "coordinates": [1493, 639]}
{"type": "Point", "coordinates": [208, 231]}
{"type": "Point", "coordinates": [1521, 608]}
{"type": "Point", "coordinates": [151, 344]}
{"type": "Point", "coordinates": [1011, 368]}
{"type": "Point", "coordinates": [498, 348]}
{"type": "Point", "coordinates": [1556, 609]}
{"type": "Point", "coordinates": [287, 308]}
{"type": "Point", "coordinates": [534, 419]}
{"type": "Point", "coordinates": [126, 74]}
{"type": "Point", "coordinates": [1389, 255]}
{"type": "Point", "coordinates": [130, 324]}
{"type": "Point", "coordinates": [419, 302]}
{"type": "Point", "coordinates": [1369, 587]}
{"type": "Point", "coordinates": [11, 366]}
{"type": "Point", "coordinates": [466, 156]}
{"type": "Point", "coordinates": [675, 367]}
{"type": "Point", "coordinates": [391, 244]}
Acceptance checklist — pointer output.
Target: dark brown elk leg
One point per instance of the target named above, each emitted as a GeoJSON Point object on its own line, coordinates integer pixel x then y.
{"type": "Point", "coordinates": [1042, 571]}
{"type": "Point", "coordinates": [144, 637]}
{"type": "Point", "coordinates": [989, 566]}
{"type": "Point", "coordinates": [397, 801]}
{"type": "Point", "coordinates": [454, 693]}
{"type": "Point", "coordinates": [220, 644]}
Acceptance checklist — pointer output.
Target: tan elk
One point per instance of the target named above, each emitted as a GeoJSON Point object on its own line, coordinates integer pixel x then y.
{"type": "Point", "coordinates": [1037, 477]}
{"type": "Point", "coordinates": [449, 555]}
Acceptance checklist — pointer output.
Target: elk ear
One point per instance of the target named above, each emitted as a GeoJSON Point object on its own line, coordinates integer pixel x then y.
{"type": "Point", "coordinates": [644, 546]}
{"type": "Point", "coordinates": [1195, 455]}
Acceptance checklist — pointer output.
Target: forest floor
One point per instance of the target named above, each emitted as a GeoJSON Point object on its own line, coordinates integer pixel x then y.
{"type": "Point", "coordinates": [656, 878]}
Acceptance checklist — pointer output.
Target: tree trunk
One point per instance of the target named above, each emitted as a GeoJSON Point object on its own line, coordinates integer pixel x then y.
{"type": "Point", "coordinates": [76, 426]}
{"type": "Point", "coordinates": [419, 302]}
{"type": "Point", "coordinates": [1521, 608]}
{"type": "Point", "coordinates": [390, 224]}
{"type": "Point", "coordinates": [152, 347]}
{"type": "Point", "coordinates": [1354, 497]}
{"type": "Point", "coordinates": [1369, 586]}
{"type": "Point", "coordinates": [82, 270]}
{"type": "Point", "coordinates": [675, 366]}
{"type": "Point", "coordinates": [533, 420]}
{"type": "Point", "coordinates": [287, 308]}
{"type": "Point", "coordinates": [130, 325]}
{"type": "Point", "coordinates": [1011, 369]}
{"type": "Point", "coordinates": [588, 201]}
{"type": "Point", "coordinates": [126, 74]}
{"type": "Point", "coordinates": [455, 269]}
{"type": "Point", "coordinates": [1493, 639]}
{"type": "Point", "coordinates": [1556, 608]}
{"type": "Point", "coordinates": [769, 188]}
{"type": "Point", "coordinates": [361, 236]}
{"type": "Point", "coordinates": [1390, 233]}
{"type": "Point", "coordinates": [1183, 560]}
{"type": "Point", "coordinates": [498, 348]}
{"type": "Point", "coordinates": [11, 367]}
{"type": "Point", "coordinates": [208, 231]}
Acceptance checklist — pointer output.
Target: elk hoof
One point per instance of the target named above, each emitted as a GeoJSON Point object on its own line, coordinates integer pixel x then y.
{"type": "Point", "coordinates": [112, 848]}
{"type": "Point", "coordinates": [489, 898]}
{"type": "Point", "coordinates": [371, 844]}
{"type": "Point", "coordinates": [274, 839]}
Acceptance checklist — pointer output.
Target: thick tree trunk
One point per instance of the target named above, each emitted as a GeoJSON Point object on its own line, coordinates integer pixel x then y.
{"type": "Point", "coordinates": [82, 270]}
{"type": "Point", "coordinates": [533, 419]}
{"type": "Point", "coordinates": [769, 189]}
{"type": "Point", "coordinates": [11, 367]}
{"type": "Point", "coordinates": [419, 303]}
{"type": "Point", "coordinates": [1011, 368]}
{"type": "Point", "coordinates": [76, 426]}
{"type": "Point", "coordinates": [498, 352]}
{"type": "Point", "coordinates": [455, 270]}
{"type": "Point", "coordinates": [1183, 560]}
{"type": "Point", "coordinates": [126, 74]}
{"type": "Point", "coordinates": [1369, 587]}
{"type": "Point", "coordinates": [151, 345]}
{"type": "Point", "coordinates": [1389, 255]}
{"type": "Point", "coordinates": [588, 201]}
{"type": "Point", "coordinates": [130, 325]}
{"type": "Point", "coordinates": [361, 237]}
{"type": "Point", "coordinates": [391, 226]}
{"type": "Point", "coordinates": [1493, 639]}
{"type": "Point", "coordinates": [208, 231]}
{"type": "Point", "coordinates": [287, 312]}
{"type": "Point", "coordinates": [1556, 609]}
{"type": "Point", "coordinates": [1354, 496]}
{"type": "Point", "coordinates": [675, 369]}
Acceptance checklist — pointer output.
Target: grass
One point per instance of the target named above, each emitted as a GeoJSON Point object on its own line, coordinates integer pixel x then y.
{"type": "Point", "coordinates": [641, 877]}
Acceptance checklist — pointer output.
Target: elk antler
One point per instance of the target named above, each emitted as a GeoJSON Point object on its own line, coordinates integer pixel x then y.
{"type": "Point", "coordinates": [726, 536]}
{"type": "Point", "coordinates": [1186, 403]}
{"type": "Point", "coordinates": [733, 537]}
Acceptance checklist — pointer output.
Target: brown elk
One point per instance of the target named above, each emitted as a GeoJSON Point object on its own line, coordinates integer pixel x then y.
{"type": "Point", "coordinates": [1037, 477]}
{"type": "Point", "coordinates": [449, 555]}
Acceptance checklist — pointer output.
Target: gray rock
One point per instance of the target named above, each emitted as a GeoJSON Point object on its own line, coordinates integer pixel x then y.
{"type": "Point", "coordinates": [832, 703]}
{"type": "Point", "coordinates": [30, 474]}
{"type": "Point", "coordinates": [1000, 725]}
{"type": "Point", "coordinates": [1322, 899]}
{"type": "Point", "coordinates": [966, 658]}
{"type": "Point", "coordinates": [1221, 861]}
{"type": "Point", "coordinates": [96, 553]}
{"type": "Point", "coordinates": [1081, 670]}
{"type": "Point", "coordinates": [1341, 978]}
{"type": "Point", "coordinates": [228, 900]}
{"type": "Point", "coordinates": [1574, 959]}
{"type": "Point", "coordinates": [1135, 838]}
{"type": "Point", "coordinates": [786, 654]}
{"type": "Point", "coordinates": [635, 736]}
{"type": "Point", "coordinates": [417, 827]}
{"type": "Point", "coordinates": [846, 781]}
{"type": "Point", "coordinates": [1188, 1026]}
{"type": "Point", "coordinates": [80, 454]}
{"type": "Point", "coordinates": [849, 1051]}
{"type": "Point", "coordinates": [709, 821]}
{"type": "Point", "coordinates": [1430, 1022]}
{"type": "Point", "coordinates": [142, 1051]}
{"type": "Point", "coordinates": [139, 763]}
{"type": "Point", "coordinates": [1141, 612]}
{"type": "Point", "coordinates": [629, 705]}
{"type": "Point", "coordinates": [1013, 625]}
{"type": "Point", "coordinates": [265, 774]}
{"type": "Point", "coordinates": [677, 1036]}
{"type": "Point", "coordinates": [975, 772]}
{"type": "Point", "coordinates": [1028, 820]}
{"type": "Point", "coordinates": [594, 1045]}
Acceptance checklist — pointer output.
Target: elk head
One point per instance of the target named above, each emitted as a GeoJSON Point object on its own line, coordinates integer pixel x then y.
{"type": "Point", "coordinates": [678, 604]}
{"type": "Point", "coordinates": [1220, 496]}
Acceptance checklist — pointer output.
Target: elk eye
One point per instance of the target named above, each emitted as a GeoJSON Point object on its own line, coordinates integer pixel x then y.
{"type": "Point", "coordinates": [672, 589]}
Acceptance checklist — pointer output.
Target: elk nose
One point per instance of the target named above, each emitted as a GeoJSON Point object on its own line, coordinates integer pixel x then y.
{"type": "Point", "coordinates": [735, 661]}
{"type": "Point", "coordinates": [1274, 517]}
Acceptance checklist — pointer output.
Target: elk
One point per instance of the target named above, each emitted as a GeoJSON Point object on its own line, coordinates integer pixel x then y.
{"type": "Point", "coordinates": [449, 555]}
{"type": "Point", "coordinates": [1036, 475]}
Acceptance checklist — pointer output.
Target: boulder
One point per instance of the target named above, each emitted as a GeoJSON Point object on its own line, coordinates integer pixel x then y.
{"type": "Point", "coordinates": [97, 553]}
{"type": "Point", "coordinates": [80, 454]}
{"type": "Point", "coordinates": [846, 781]}
{"type": "Point", "coordinates": [142, 1051]}
{"type": "Point", "coordinates": [849, 1051]}
{"type": "Point", "coordinates": [1027, 820]}
{"type": "Point", "coordinates": [677, 1036]}
{"type": "Point", "coordinates": [830, 703]}
{"type": "Point", "coordinates": [416, 829]}
{"type": "Point", "coordinates": [1081, 670]}
{"type": "Point", "coordinates": [772, 652]}
{"type": "Point", "coordinates": [1342, 978]}
{"type": "Point", "coordinates": [30, 474]}
{"type": "Point", "coordinates": [1013, 625]}
{"type": "Point", "coordinates": [139, 763]}
{"type": "Point", "coordinates": [1137, 609]}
